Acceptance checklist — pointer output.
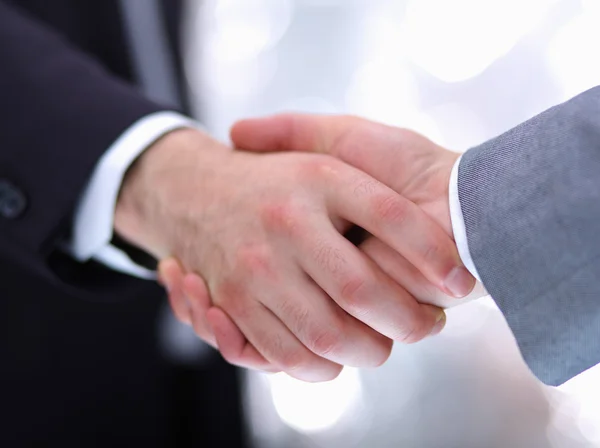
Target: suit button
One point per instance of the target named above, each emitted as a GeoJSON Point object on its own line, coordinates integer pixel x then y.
{"type": "Point", "coordinates": [12, 200]}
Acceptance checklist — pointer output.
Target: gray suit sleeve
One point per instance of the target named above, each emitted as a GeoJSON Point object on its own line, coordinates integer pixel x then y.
{"type": "Point", "coordinates": [531, 204]}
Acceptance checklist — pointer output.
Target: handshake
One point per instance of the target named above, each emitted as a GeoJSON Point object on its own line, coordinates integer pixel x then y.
{"type": "Point", "coordinates": [253, 247]}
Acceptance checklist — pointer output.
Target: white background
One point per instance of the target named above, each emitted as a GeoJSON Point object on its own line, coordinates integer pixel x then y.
{"type": "Point", "coordinates": [460, 71]}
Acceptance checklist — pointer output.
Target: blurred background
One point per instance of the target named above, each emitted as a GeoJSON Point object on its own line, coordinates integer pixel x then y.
{"type": "Point", "coordinates": [461, 72]}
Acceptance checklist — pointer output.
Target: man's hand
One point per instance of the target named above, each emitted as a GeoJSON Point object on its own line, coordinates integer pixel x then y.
{"type": "Point", "coordinates": [265, 232]}
{"type": "Point", "coordinates": [404, 160]}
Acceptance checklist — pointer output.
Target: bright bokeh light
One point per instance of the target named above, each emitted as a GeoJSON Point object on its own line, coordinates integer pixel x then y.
{"type": "Point", "coordinates": [425, 124]}
{"type": "Point", "coordinates": [310, 104]}
{"type": "Point", "coordinates": [571, 53]}
{"type": "Point", "coordinates": [591, 7]}
{"type": "Point", "coordinates": [382, 34]}
{"type": "Point", "coordinates": [383, 90]}
{"type": "Point", "coordinates": [241, 31]}
{"type": "Point", "coordinates": [584, 389]}
{"type": "Point", "coordinates": [242, 79]}
{"type": "Point", "coordinates": [309, 407]}
{"type": "Point", "coordinates": [322, 3]}
{"type": "Point", "coordinates": [234, 63]}
{"type": "Point", "coordinates": [457, 40]}
{"type": "Point", "coordinates": [460, 127]}
{"type": "Point", "coordinates": [386, 91]}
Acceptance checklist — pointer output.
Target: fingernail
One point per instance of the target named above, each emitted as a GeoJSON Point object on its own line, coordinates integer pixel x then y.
{"type": "Point", "coordinates": [440, 323]}
{"type": "Point", "coordinates": [459, 282]}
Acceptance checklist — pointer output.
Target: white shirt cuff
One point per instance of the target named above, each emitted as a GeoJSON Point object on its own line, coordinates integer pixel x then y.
{"type": "Point", "coordinates": [458, 223]}
{"type": "Point", "coordinates": [93, 226]}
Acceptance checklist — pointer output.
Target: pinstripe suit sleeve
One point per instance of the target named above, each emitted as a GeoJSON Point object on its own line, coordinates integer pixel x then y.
{"type": "Point", "coordinates": [531, 205]}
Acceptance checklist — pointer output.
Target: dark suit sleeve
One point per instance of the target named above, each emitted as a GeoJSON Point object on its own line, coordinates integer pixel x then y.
{"type": "Point", "coordinates": [531, 203]}
{"type": "Point", "coordinates": [59, 111]}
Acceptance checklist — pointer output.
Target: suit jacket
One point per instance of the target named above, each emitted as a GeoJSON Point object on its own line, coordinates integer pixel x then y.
{"type": "Point", "coordinates": [531, 203]}
{"type": "Point", "coordinates": [74, 369]}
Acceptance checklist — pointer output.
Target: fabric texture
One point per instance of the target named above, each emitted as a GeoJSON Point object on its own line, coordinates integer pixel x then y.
{"type": "Point", "coordinates": [531, 205]}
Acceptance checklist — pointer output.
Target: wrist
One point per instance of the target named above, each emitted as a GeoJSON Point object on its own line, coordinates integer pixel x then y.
{"type": "Point", "coordinates": [437, 189]}
{"type": "Point", "coordinates": [141, 203]}
{"type": "Point", "coordinates": [445, 174]}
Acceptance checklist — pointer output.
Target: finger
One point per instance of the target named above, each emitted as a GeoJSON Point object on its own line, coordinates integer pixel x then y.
{"type": "Point", "coordinates": [291, 132]}
{"type": "Point", "coordinates": [325, 329]}
{"type": "Point", "coordinates": [233, 345]}
{"type": "Point", "coordinates": [206, 320]}
{"type": "Point", "coordinates": [391, 155]}
{"type": "Point", "coordinates": [198, 296]}
{"type": "Point", "coordinates": [231, 342]}
{"type": "Point", "coordinates": [400, 223]}
{"type": "Point", "coordinates": [397, 221]}
{"type": "Point", "coordinates": [363, 290]}
{"type": "Point", "coordinates": [274, 341]}
{"type": "Point", "coordinates": [367, 145]}
{"type": "Point", "coordinates": [401, 271]}
{"type": "Point", "coordinates": [171, 275]}
{"type": "Point", "coordinates": [190, 293]}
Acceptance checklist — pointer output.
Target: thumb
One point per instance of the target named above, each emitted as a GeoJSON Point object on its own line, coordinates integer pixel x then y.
{"type": "Point", "coordinates": [291, 132]}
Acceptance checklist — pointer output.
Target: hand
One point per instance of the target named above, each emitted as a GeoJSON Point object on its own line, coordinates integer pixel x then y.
{"type": "Point", "coordinates": [404, 160]}
{"type": "Point", "coordinates": [265, 232]}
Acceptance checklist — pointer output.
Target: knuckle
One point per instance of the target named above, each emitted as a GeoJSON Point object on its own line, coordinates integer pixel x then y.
{"type": "Point", "coordinates": [292, 360]}
{"type": "Point", "coordinates": [298, 314]}
{"type": "Point", "coordinates": [274, 348]}
{"type": "Point", "coordinates": [352, 146]}
{"type": "Point", "coordinates": [428, 292]}
{"type": "Point", "coordinates": [280, 217]}
{"type": "Point", "coordinates": [324, 341]}
{"type": "Point", "coordinates": [318, 166]}
{"type": "Point", "coordinates": [329, 258]}
{"type": "Point", "coordinates": [230, 295]}
{"type": "Point", "coordinates": [227, 291]}
{"type": "Point", "coordinates": [432, 252]}
{"type": "Point", "coordinates": [366, 186]}
{"type": "Point", "coordinates": [321, 339]}
{"type": "Point", "coordinates": [414, 331]}
{"type": "Point", "coordinates": [390, 208]}
{"type": "Point", "coordinates": [406, 334]}
{"type": "Point", "coordinates": [254, 260]}
{"type": "Point", "coordinates": [354, 291]}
